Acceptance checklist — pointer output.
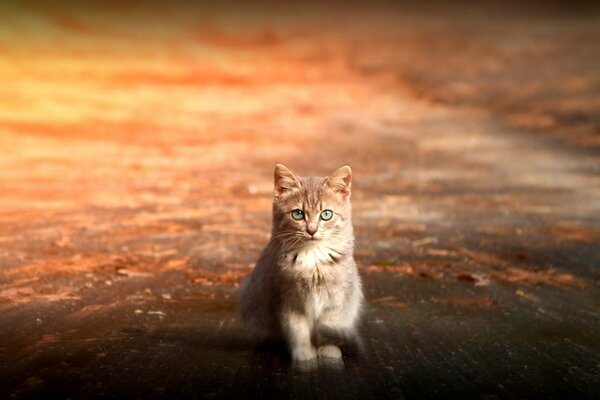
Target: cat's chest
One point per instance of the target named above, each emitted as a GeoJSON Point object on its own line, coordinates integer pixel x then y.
{"type": "Point", "coordinates": [316, 302]}
{"type": "Point", "coordinates": [313, 260]}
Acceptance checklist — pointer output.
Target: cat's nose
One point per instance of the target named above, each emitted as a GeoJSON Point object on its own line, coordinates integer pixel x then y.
{"type": "Point", "coordinates": [311, 229]}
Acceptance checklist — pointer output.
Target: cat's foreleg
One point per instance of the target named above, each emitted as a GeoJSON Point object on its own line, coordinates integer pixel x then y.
{"type": "Point", "coordinates": [297, 333]}
{"type": "Point", "coordinates": [338, 328]}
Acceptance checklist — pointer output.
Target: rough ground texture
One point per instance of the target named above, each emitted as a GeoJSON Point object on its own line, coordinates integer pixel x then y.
{"type": "Point", "coordinates": [136, 155]}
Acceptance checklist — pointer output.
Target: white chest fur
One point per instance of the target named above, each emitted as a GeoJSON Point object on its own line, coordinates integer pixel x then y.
{"type": "Point", "coordinates": [316, 302]}
{"type": "Point", "coordinates": [316, 265]}
{"type": "Point", "coordinates": [312, 256]}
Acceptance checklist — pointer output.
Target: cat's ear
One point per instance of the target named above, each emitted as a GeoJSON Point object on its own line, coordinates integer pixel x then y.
{"type": "Point", "coordinates": [341, 180]}
{"type": "Point", "coordinates": [285, 181]}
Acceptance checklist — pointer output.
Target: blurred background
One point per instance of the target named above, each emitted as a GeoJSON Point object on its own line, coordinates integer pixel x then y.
{"type": "Point", "coordinates": [137, 146]}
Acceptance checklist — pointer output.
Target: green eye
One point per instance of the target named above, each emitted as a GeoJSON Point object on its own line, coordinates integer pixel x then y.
{"type": "Point", "coordinates": [326, 215]}
{"type": "Point", "coordinates": [298, 214]}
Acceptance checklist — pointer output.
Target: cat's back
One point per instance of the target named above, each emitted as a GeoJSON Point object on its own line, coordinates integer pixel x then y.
{"type": "Point", "coordinates": [256, 295]}
{"type": "Point", "coordinates": [260, 275]}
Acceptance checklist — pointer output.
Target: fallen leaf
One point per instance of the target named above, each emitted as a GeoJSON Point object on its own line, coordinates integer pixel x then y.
{"type": "Point", "coordinates": [481, 257]}
{"type": "Point", "coordinates": [133, 274]}
{"type": "Point", "coordinates": [572, 232]}
{"type": "Point", "coordinates": [57, 297]}
{"type": "Point", "coordinates": [482, 280]}
{"type": "Point", "coordinates": [177, 263]}
{"type": "Point", "coordinates": [484, 301]}
{"type": "Point", "coordinates": [466, 277]}
{"type": "Point", "coordinates": [477, 279]}
{"type": "Point", "coordinates": [17, 295]}
{"type": "Point", "coordinates": [527, 296]}
{"type": "Point", "coordinates": [397, 269]}
{"type": "Point", "coordinates": [395, 304]}
{"type": "Point", "coordinates": [239, 266]}
{"type": "Point", "coordinates": [438, 252]}
{"type": "Point", "coordinates": [364, 253]}
{"type": "Point", "coordinates": [424, 241]}
{"type": "Point", "coordinates": [62, 242]}
{"type": "Point", "coordinates": [225, 278]}
{"type": "Point", "coordinates": [386, 298]}
{"type": "Point", "coordinates": [165, 253]}
{"type": "Point", "coordinates": [159, 313]}
{"type": "Point", "coordinates": [422, 270]}
{"type": "Point", "coordinates": [499, 230]}
{"type": "Point", "coordinates": [539, 277]}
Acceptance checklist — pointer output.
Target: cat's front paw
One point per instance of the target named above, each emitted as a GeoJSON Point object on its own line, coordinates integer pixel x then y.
{"type": "Point", "coordinates": [330, 351]}
{"type": "Point", "coordinates": [304, 353]}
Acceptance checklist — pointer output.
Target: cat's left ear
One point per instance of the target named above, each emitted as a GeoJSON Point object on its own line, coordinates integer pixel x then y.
{"type": "Point", "coordinates": [341, 180]}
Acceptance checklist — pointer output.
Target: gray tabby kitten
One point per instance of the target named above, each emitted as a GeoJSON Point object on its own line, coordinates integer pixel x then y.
{"type": "Point", "coordinates": [305, 288]}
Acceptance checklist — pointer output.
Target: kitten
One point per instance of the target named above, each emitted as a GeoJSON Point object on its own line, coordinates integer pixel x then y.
{"type": "Point", "coordinates": [305, 288]}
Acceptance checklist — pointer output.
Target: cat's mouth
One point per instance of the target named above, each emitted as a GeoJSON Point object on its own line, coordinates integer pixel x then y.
{"type": "Point", "coordinates": [309, 238]}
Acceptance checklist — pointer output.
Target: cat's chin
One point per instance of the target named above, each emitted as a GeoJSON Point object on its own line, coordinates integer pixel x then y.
{"type": "Point", "coordinates": [310, 242]}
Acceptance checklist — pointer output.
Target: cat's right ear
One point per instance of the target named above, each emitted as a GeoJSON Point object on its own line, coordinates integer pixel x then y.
{"type": "Point", "coordinates": [285, 181]}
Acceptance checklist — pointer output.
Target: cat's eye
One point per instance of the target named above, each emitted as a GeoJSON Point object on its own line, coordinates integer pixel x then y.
{"type": "Point", "coordinates": [326, 215]}
{"type": "Point", "coordinates": [298, 214]}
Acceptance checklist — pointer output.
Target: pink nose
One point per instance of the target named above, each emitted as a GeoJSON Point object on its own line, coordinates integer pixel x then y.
{"type": "Point", "coordinates": [311, 230]}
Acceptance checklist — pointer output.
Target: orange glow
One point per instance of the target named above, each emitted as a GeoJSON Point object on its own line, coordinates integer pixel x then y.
{"type": "Point", "coordinates": [147, 141]}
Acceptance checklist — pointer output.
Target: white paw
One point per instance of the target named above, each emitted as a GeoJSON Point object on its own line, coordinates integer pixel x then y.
{"type": "Point", "coordinates": [304, 353]}
{"type": "Point", "coordinates": [330, 351]}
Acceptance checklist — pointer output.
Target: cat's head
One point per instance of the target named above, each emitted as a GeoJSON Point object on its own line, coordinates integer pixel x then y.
{"type": "Point", "coordinates": [312, 209]}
